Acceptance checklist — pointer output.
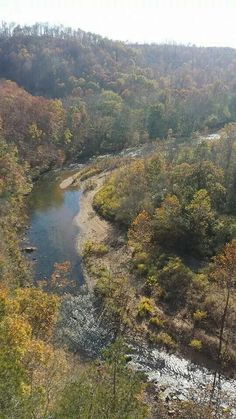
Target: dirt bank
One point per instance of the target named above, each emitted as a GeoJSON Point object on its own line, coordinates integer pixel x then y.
{"type": "Point", "coordinates": [91, 226]}
{"type": "Point", "coordinates": [95, 229]}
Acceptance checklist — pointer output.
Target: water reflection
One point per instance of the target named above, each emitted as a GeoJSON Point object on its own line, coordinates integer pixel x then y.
{"type": "Point", "coordinates": [52, 231]}
{"type": "Point", "coordinates": [46, 194]}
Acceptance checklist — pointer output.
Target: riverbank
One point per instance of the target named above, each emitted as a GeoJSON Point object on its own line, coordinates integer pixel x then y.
{"type": "Point", "coordinates": [83, 324]}
{"type": "Point", "coordinates": [91, 226]}
{"type": "Point", "coordinates": [172, 373]}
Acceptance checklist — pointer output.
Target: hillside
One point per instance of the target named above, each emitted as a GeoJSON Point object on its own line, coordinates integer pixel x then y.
{"type": "Point", "coordinates": [146, 90]}
{"type": "Point", "coordinates": [158, 231]}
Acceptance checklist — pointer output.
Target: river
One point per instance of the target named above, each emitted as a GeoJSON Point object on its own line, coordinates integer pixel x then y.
{"type": "Point", "coordinates": [53, 232]}
{"type": "Point", "coordinates": [51, 228]}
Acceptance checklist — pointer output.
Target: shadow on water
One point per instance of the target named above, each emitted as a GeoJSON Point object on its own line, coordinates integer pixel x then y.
{"type": "Point", "coordinates": [52, 229]}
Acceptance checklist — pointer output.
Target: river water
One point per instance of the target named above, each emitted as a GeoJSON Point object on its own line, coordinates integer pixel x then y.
{"type": "Point", "coordinates": [51, 227]}
{"type": "Point", "coordinates": [53, 232]}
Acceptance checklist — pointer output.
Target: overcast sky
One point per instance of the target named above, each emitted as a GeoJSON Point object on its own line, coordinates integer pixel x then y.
{"type": "Point", "coordinates": [200, 22]}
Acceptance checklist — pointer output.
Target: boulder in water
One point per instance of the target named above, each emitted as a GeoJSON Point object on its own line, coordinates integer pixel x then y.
{"type": "Point", "coordinates": [29, 249]}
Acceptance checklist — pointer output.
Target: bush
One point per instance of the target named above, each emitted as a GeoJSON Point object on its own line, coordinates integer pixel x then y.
{"type": "Point", "coordinates": [153, 287]}
{"type": "Point", "coordinates": [195, 344]}
{"type": "Point", "coordinates": [199, 315]}
{"type": "Point", "coordinates": [100, 249]}
{"type": "Point", "coordinates": [96, 249]}
{"type": "Point", "coordinates": [156, 321]}
{"type": "Point", "coordinates": [140, 257]}
{"type": "Point", "coordinates": [102, 272]}
{"type": "Point", "coordinates": [141, 268]}
{"type": "Point", "coordinates": [145, 307]}
{"type": "Point", "coordinates": [103, 286]}
{"type": "Point", "coordinates": [141, 262]}
{"type": "Point", "coordinates": [105, 202]}
{"type": "Point", "coordinates": [165, 340]}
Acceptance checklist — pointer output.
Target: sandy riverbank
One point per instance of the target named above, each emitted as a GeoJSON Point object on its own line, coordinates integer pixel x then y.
{"type": "Point", "coordinates": [91, 226]}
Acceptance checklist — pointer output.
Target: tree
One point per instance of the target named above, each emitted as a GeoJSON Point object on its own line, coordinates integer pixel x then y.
{"type": "Point", "coordinates": [175, 279]}
{"type": "Point", "coordinates": [107, 389]}
{"type": "Point", "coordinates": [39, 308]}
{"type": "Point", "coordinates": [187, 179]}
{"type": "Point", "coordinates": [202, 223]}
{"type": "Point", "coordinates": [157, 127]}
{"type": "Point", "coordinates": [224, 273]}
{"type": "Point", "coordinates": [168, 223]}
{"type": "Point", "coordinates": [32, 371]}
{"type": "Point", "coordinates": [13, 187]}
{"type": "Point", "coordinates": [141, 232]}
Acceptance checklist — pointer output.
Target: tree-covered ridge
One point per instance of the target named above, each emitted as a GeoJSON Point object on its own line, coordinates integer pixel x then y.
{"type": "Point", "coordinates": [35, 125]}
{"type": "Point", "coordinates": [162, 87]}
{"type": "Point", "coordinates": [13, 187]}
{"type": "Point", "coordinates": [53, 59]}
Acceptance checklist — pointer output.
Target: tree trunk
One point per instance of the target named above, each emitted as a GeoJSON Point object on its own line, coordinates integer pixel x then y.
{"type": "Point", "coordinates": [221, 336]}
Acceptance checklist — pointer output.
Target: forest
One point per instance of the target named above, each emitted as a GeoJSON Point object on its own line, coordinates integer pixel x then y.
{"type": "Point", "coordinates": [67, 95]}
{"type": "Point", "coordinates": [105, 95]}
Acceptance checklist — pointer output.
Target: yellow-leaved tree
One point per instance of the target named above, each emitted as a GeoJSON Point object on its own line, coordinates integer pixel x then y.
{"type": "Point", "coordinates": [31, 368]}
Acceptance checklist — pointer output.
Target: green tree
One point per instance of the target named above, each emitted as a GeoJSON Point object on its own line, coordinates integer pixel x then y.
{"type": "Point", "coordinates": [107, 389]}
{"type": "Point", "coordinates": [157, 126]}
{"type": "Point", "coordinates": [168, 223]}
{"type": "Point", "coordinates": [175, 279]}
{"type": "Point", "coordinates": [202, 224]}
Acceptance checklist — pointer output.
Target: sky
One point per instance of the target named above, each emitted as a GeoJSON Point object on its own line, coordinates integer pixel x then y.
{"type": "Point", "coordinates": [199, 22]}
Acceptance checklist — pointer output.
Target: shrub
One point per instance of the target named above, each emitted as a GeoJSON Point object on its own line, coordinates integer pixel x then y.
{"type": "Point", "coordinates": [102, 272]}
{"type": "Point", "coordinates": [145, 307]}
{"type": "Point", "coordinates": [156, 321]}
{"type": "Point", "coordinates": [153, 287]}
{"type": "Point", "coordinates": [164, 339]}
{"type": "Point", "coordinates": [102, 287]}
{"type": "Point", "coordinates": [141, 268]}
{"type": "Point", "coordinates": [140, 262]}
{"type": "Point", "coordinates": [88, 245]}
{"type": "Point", "coordinates": [100, 249]}
{"type": "Point", "coordinates": [195, 344]}
{"type": "Point", "coordinates": [96, 249]}
{"type": "Point", "coordinates": [141, 257]}
{"type": "Point", "coordinates": [200, 282]}
{"type": "Point", "coordinates": [105, 201]}
{"type": "Point", "coordinates": [199, 315]}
